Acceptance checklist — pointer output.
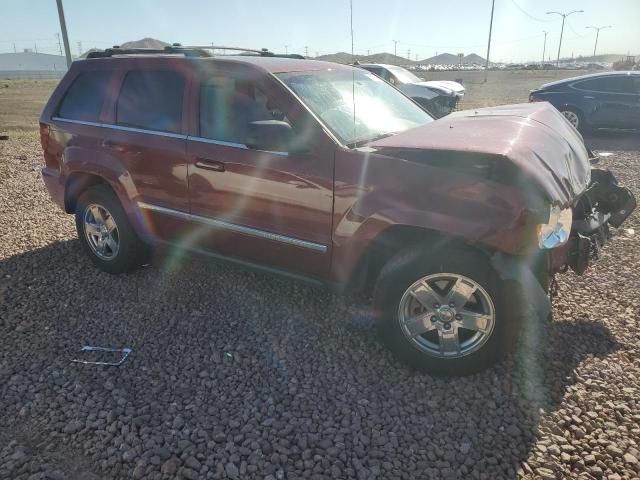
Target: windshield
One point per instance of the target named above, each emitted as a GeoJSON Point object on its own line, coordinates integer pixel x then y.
{"type": "Point", "coordinates": [354, 104]}
{"type": "Point", "coordinates": [404, 75]}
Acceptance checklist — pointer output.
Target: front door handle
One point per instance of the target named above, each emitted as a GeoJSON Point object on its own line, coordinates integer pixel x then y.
{"type": "Point", "coordinates": [208, 164]}
{"type": "Point", "coordinates": [111, 145]}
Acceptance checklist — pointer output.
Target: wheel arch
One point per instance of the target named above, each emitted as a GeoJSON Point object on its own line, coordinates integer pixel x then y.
{"type": "Point", "coordinates": [76, 184]}
{"type": "Point", "coordinates": [394, 239]}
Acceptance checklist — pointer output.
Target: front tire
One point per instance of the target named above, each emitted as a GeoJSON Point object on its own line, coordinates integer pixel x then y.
{"type": "Point", "coordinates": [444, 313]}
{"type": "Point", "coordinates": [106, 233]}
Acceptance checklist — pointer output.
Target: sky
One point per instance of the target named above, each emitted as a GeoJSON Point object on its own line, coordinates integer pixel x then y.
{"type": "Point", "coordinates": [425, 27]}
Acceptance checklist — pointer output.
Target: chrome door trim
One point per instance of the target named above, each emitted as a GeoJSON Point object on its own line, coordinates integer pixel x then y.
{"type": "Point", "coordinates": [122, 127]}
{"type": "Point", "coordinates": [241, 146]}
{"type": "Point", "coordinates": [254, 232]}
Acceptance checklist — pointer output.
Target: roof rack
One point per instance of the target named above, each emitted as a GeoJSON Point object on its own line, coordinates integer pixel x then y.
{"type": "Point", "coordinates": [187, 51]}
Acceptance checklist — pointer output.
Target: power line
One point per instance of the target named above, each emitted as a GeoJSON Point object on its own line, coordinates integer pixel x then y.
{"type": "Point", "coordinates": [578, 35]}
{"type": "Point", "coordinates": [528, 14]}
{"type": "Point", "coordinates": [59, 43]}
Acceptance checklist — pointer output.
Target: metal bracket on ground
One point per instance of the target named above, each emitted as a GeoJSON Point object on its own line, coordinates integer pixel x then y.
{"type": "Point", "coordinates": [90, 348]}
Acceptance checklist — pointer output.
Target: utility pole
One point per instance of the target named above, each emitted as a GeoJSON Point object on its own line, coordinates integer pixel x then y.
{"type": "Point", "coordinates": [306, 52]}
{"type": "Point", "coordinates": [59, 43]}
{"type": "Point", "coordinates": [564, 16]}
{"type": "Point", "coordinates": [79, 49]}
{"type": "Point", "coordinates": [14, 47]}
{"type": "Point", "coordinates": [286, 49]}
{"type": "Point", "coordinates": [35, 47]}
{"type": "Point", "coordinates": [63, 28]}
{"type": "Point", "coordinates": [544, 46]}
{"type": "Point", "coordinates": [597, 29]}
{"type": "Point", "coordinates": [395, 47]}
{"type": "Point", "coordinates": [367, 52]}
{"type": "Point", "coordinates": [486, 67]}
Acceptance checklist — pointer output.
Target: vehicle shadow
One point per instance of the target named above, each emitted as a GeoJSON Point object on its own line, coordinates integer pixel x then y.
{"type": "Point", "coordinates": [213, 342]}
{"type": "Point", "coordinates": [613, 140]}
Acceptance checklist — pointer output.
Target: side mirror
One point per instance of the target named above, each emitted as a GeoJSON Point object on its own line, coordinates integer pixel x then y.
{"type": "Point", "coordinates": [271, 135]}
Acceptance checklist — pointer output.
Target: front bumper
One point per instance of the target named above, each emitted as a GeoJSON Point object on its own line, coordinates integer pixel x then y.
{"type": "Point", "coordinates": [604, 203]}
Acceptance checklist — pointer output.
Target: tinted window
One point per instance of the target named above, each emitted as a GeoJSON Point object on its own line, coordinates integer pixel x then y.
{"type": "Point", "coordinates": [228, 105]}
{"type": "Point", "coordinates": [151, 100]}
{"type": "Point", "coordinates": [377, 71]}
{"type": "Point", "coordinates": [83, 100]}
{"type": "Point", "coordinates": [617, 84]}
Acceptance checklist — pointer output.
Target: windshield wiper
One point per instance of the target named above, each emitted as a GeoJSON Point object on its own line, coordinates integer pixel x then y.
{"type": "Point", "coordinates": [363, 141]}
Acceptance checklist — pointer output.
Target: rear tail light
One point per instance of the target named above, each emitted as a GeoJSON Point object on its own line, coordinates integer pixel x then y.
{"type": "Point", "coordinates": [44, 136]}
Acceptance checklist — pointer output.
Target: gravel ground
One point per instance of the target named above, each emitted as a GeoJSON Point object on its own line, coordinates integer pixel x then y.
{"type": "Point", "coordinates": [240, 375]}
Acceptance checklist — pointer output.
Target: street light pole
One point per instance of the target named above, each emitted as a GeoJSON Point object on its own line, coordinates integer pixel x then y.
{"type": "Point", "coordinates": [544, 46]}
{"type": "Point", "coordinates": [65, 38]}
{"type": "Point", "coordinates": [597, 29]}
{"type": "Point", "coordinates": [564, 16]}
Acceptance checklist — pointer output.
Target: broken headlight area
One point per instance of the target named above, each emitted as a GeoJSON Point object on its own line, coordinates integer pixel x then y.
{"type": "Point", "coordinates": [555, 232]}
{"type": "Point", "coordinates": [604, 203]}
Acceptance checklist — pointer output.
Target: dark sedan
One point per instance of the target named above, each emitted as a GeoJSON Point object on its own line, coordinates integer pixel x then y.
{"type": "Point", "coordinates": [600, 100]}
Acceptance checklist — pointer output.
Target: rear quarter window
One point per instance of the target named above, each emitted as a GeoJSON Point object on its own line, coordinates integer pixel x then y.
{"type": "Point", "coordinates": [84, 98]}
{"type": "Point", "coordinates": [151, 100]}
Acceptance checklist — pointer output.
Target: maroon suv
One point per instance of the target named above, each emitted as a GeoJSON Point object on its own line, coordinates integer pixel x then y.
{"type": "Point", "coordinates": [327, 173]}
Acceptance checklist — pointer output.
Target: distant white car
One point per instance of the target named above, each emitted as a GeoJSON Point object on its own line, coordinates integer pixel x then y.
{"type": "Point", "coordinates": [440, 97]}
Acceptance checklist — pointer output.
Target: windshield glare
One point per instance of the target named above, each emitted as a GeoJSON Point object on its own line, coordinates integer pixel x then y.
{"type": "Point", "coordinates": [404, 75]}
{"type": "Point", "coordinates": [354, 104]}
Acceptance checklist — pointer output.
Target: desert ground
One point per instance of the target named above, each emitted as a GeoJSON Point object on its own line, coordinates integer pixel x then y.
{"type": "Point", "coordinates": [240, 375]}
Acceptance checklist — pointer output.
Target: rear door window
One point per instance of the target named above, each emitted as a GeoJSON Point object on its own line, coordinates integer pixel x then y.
{"type": "Point", "coordinates": [151, 100]}
{"type": "Point", "coordinates": [84, 98]}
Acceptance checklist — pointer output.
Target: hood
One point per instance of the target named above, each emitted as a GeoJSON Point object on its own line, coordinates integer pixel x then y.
{"type": "Point", "coordinates": [455, 87]}
{"type": "Point", "coordinates": [534, 137]}
{"type": "Point", "coordinates": [449, 87]}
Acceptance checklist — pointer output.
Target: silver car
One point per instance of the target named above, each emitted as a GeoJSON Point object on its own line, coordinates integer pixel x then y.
{"type": "Point", "coordinates": [439, 97]}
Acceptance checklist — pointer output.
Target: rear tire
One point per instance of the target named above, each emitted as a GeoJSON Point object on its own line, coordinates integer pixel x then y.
{"type": "Point", "coordinates": [435, 349]}
{"type": "Point", "coordinates": [106, 233]}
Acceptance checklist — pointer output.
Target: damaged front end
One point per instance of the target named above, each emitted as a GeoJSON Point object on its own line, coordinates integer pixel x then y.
{"type": "Point", "coordinates": [603, 203]}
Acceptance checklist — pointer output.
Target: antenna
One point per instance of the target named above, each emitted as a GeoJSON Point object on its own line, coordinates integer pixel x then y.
{"type": "Point", "coordinates": [353, 73]}
{"type": "Point", "coordinates": [351, 10]}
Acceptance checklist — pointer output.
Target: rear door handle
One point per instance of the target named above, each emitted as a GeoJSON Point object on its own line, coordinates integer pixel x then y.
{"type": "Point", "coordinates": [208, 164]}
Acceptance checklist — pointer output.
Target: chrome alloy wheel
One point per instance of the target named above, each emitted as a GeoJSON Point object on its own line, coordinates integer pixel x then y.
{"type": "Point", "coordinates": [446, 315]}
{"type": "Point", "coordinates": [101, 231]}
{"type": "Point", "coordinates": [573, 118]}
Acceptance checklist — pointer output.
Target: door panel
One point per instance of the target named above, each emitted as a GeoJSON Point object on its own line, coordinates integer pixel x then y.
{"type": "Point", "coordinates": [272, 208]}
{"type": "Point", "coordinates": [146, 126]}
{"type": "Point", "coordinates": [615, 102]}
{"type": "Point", "coordinates": [263, 206]}
{"type": "Point", "coordinates": [158, 170]}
